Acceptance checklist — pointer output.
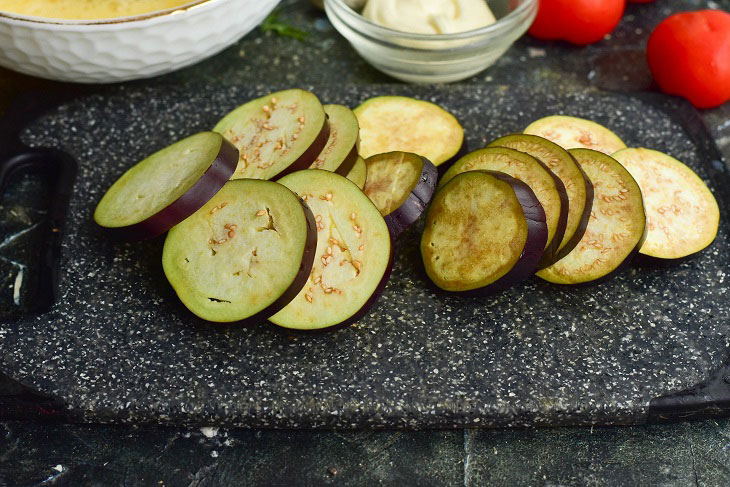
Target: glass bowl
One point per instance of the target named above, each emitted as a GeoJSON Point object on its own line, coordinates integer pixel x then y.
{"type": "Point", "coordinates": [433, 58]}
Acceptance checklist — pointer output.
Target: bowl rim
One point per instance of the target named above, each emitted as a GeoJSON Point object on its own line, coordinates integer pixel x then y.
{"type": "Point", "coordinates": [157, 14]}
{"type": "Point", "coordinates": [358, 21]}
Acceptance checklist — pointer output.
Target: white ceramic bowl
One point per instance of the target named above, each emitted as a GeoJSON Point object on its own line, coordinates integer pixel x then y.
{"type": "Point", "coordinates": [110, 50]}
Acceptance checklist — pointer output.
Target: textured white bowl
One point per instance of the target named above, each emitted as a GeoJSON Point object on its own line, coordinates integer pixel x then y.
{"type": "Point", "coordinates": [128, 48]}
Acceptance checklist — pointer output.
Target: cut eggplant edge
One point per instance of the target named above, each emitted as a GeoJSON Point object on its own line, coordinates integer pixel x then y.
{"type": "Point", "coordinates": [420, 196]}
{"type": "Point", "coordinates": [305, 268]}
{"type": "Point", "coordinates": [348, 162]}
{"type": "Point", "coordinates": [534, 244]}
{"type": "Point", "coordinates": [629, 257]}
{"type": "Point", "coordinates": [359, 314]}
{"type": "Point", "coordinates": [584, 219]}
{"type": "Point", "coordinates": [212, 180]}
{"type": "Point", "coordinates": [308, 156]}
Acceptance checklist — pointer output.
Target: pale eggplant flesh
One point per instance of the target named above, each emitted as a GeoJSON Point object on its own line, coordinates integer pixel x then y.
{"type": "Point", "coordinates": [485, 232]}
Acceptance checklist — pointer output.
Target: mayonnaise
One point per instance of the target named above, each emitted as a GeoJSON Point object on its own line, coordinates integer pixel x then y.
{"type": "Point", "coordinates": [429, 16]}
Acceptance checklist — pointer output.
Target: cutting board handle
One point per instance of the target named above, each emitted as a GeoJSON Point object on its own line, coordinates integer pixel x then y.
{"type": "Point", "coordinates": [59, 169]}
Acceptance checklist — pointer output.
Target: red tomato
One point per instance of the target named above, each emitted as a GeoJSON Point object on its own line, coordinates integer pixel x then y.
{"type": "Point", "coordinates": [577, 21]}
{"type": "Point", "coordinates": [689, 55]}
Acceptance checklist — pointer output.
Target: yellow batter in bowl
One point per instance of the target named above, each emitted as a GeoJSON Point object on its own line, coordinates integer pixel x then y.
{"type": "Point", "coordinates": [87, 9]}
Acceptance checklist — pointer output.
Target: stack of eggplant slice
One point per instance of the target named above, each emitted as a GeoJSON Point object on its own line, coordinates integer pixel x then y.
{"type": "Point", "coordinates": [591, 212]}
{"type": "Point", "coordinates": [287, 211]}
{"type": "Point", "coordinates": [266, 214]}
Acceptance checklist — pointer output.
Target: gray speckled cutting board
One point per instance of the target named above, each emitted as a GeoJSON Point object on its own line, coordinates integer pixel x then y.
{"type": "Point", "coordinates": [119, 347]}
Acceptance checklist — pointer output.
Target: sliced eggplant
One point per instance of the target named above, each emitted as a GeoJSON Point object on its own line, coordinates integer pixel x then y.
{"type": "Point", "coordinates": [166, 187]}
{"type": "Point", "coordinates": [573, 132]}
{"type": "Point", "coordinates": [353, 259]}
{"type": "Point", "coordinates": [563, 165]}
{"type": "Point", "coordinates": [359, 173]}
{"type": "Point", "coordinates": [399, 123]}
{"type": "Point", "coordinates": [681, 213]}
{"type": "Point", "coordinates": [485, 231]}
{"type": "Point", "coordinates": [616, 229]}
{"type": "Point", "coordinates": [401, 184]}
{"type": "Point", "coordinates": [340, 151]}
{"type": "Point", "coordinates": [547, 187]}
{"type": "Point", "coordinates": [276, 134]}
{"type": "Point", "coordinates": [244, 255]}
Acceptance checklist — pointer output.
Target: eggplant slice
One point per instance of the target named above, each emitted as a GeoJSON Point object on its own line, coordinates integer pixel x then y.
{"type": "Point", "coordinates": [681, 213]}
{"type": "Point", "coordinates": [359, 173]}
{"type": "Point", "coordinates": [399, 123]}
{"type": "Point", "coordinates": [165, 188]}
{"type": "Point", "coordinates": [353, 259]}
{"type": "Point", "coordinates": [276, 134]}
{"type": "Point", "coordinates": [244, 255]}
{"type": "Point", "coordinates": [564, 166]}
{"type": "Point", "coordinates": [616, 229]}
{"type": "Point", "coordinates": [340, 151]}
{"type": "Point", "coordinates": [548, 188]}
{"type": "Point", "coordinates": [573, 133]}
{"type": "Point", "coordinates": [485, 231]}
{"type": "Point", "coordinates": [401, 184]}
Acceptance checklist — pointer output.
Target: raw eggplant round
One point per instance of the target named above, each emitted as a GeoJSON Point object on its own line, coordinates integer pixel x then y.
{"type": "Point", "coordinates": [574, 133]}
{"type": "Point", "coordinates": [244, 255]}
{"type": "Point", "coordinates": [577, 185]}
{"type": "Point", "coordinates": [616, 229]}
{"type": "Point", "coordinates": [399, 123]}
{"type": "Point", "coordinates": [276, 134]}
{"type": "Point", "coordinates": [401, 184]}
{"type": "Point", "coordinates": [681, 213]}
{"type": "Point", "coordinates": [353, 259]}
{"type": "Point", "coordinates": [485, 231]}
{"type": "Point", "coordinates": [165, 188]}
{"type": "Point", "coordinates": [340, 151]}
{"type": "Point", "coordinates": [548, 188]}
{"type": "Point", "coordinates": [359, 173]}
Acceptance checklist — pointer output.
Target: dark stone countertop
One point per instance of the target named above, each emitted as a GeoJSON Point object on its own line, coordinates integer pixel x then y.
{"type": "Point", "coordinates": [33, 453]}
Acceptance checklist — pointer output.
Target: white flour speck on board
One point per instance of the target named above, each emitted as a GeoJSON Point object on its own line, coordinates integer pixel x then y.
{"type": "Point", "coordinates": [209, 431]}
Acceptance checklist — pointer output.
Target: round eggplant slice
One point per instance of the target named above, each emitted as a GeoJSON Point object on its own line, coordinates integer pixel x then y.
{"type": "Point", "coordinates": [577, 185]}
{"type": "Point", "coordinates": [401, 184]}
{"type": "Point", "coordinates": [682, 215]}
{"type": "Point", "coordinates": [276, 134]}
{"type": "Point", "coordinates": [485, 231]}
{"type": "Point", "coordinates": [244, 255]}
{"type": "Point", "coordinates": [399, 123]}
{"type": "Point", "coordinates": [359, 173]}
{"type": "Point", "coordinates": [340, 152]}
{"type": "Point", "coordinates": [547, 187]}
{"type": "Point", "coordinates": [166, 187]}
{"type": "Point", "coordinates": [573, 132]}
{"type": "Point", "coordinates": [353, 259]}
{"type": "Point", "coordinates": [616, 229]}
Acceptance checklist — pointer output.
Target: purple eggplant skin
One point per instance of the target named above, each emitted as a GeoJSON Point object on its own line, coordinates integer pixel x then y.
{"type": "Point", "coordinates": [551, 255]}
{"type": "Point", "coordinates": [536, 239]}
{"type": "Point", "coordinates": [309, 155]}
{"type": "Point", "coordinates": [218, 174]}
{"type": "Point", "coordinates": [348, 163]}
{"type": "Point", "coordinates": [406, 214]}
{"type": "Point", "coordinates": [359, 314]}
{"type": "Point", "coordinates": [585, 217]}
{"type": "Point", "coordinates": [305, 269]}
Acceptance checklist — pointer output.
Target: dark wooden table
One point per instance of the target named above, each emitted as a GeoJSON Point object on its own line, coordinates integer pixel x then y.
{"type": "Point", "coordinates": [41, 453]}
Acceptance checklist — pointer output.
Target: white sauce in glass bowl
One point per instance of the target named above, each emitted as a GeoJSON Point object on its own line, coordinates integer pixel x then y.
{"type": "Point", "coordinates": [429, 16]}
